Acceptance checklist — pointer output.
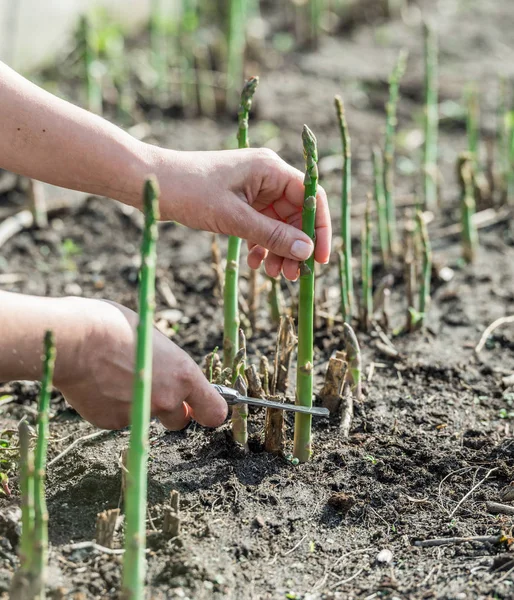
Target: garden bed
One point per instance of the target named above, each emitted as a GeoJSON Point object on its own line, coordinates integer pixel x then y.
{"type": "Point", "coordinates": [436, 419]}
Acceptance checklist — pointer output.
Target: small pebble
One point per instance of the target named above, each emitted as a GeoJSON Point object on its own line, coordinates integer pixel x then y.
{"type": "Point", "coordinates": [258, 522]}
{"type": "Point", "coordinates": [73, 289]}
{"type": "Point", "coordinates": [384, 557]}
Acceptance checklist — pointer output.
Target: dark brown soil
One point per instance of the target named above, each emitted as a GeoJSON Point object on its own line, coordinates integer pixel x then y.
{"type": "Point", "coordinates": [435, 422]}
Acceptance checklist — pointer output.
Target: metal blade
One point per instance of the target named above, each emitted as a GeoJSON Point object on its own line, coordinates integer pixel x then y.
{"type": "Point", "coordinates": [232, 397]}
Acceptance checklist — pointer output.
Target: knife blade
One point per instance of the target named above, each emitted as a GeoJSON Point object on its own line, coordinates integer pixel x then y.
{"type": "Point", "coordinates": [232, 397]}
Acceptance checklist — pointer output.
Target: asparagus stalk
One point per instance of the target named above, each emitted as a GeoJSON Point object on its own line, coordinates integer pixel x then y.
{"type": "Point", "coordinates": [135, 499]}
{"type": "Point", "coordinates": [426, 271]}
{"type": "Point", "coordinates": [389, 147]}
{"type": "Point", "coordinates": [94, 94]}
{"type": "Point", "coordinates": [346, 199]}
{"type": "Point", "coordinates": [276, 300]}
{"type": "Point", "coordinates": [27, 498]}
{"type": "Point", "coordinates": [509, 118]}
{"type": "Point", "coordinates": [503, 129]}
{"type": "Point", "coordinates": [380, 201]}
{"type": "Point", "coordinates": [410, 273]}
{"type": "Point", "coordinates": [158, 54]}
{"type": "Point", "coordinates": [431, 118]}
{"type": "Point", "coordinates": [236, 41]}
{"type": "Point", "coordinates": [367, 269]}
{"type": "Point", "coordinates": [469, 231]}
{"type": "Point", "coordinates": [231, 300]}
{"type": "Point", "coordinates": [304, 378]}
{"type": "Point", "coordinates": [472, 123]}
{"type": "Point", "coordinates": [353, 358]}
{"type": "Point", "coordinates": [342, 281]}
{"type": "Point", "coordinates": [40, 552]}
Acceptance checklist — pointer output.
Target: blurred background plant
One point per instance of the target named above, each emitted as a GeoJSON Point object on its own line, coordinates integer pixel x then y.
{"type": "Point", "coordinates": [184, 57]}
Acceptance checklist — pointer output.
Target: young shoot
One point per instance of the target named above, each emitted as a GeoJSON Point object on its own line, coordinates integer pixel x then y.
{"type": "Point", "coordinates": [430, 173]}
{"type": "Point", "coordinates": [134, 563]}
{"type": "Point", "coordinates": [304, 377]}
{"type": "Point", "coordinates": [231, 295]}
{"type": "Point", "coordinates": [469, 234]}
{"type": "Point", "coordinates": [389, 147]}
{"type": "Point", "coordinates": [346, 202]}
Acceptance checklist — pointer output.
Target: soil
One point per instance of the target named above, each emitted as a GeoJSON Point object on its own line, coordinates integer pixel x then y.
{"type": "Point", "coordinates": [429, 445]}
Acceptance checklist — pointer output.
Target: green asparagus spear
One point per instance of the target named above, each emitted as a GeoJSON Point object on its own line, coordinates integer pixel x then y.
{"type": "Point", "coordinates": [27, 498]}
{"type": "Point", "coordinates": [134, 565]}
{"type": "Point", "coordinates": [469, 230]}
{"type": "Point", "coordinates": [472, 123]}
{"type": "Point", "coordinates": [40, 553]}
{"type": "Point", "coordinates": [426, 269]}
{"type": "Point", "coordinates": [231, 296]}
{"type": "Point", "coordinates": [342, 282]}
{"type": "Point", "coordinates": [276, 300]}
{"type": "Point", "coordinates": [389, 147]}
{"type": "Point", "coordinates": [346, 200]}
{"type": "Point", "coordinates": [367, 270]}
{"type": "Point", "coordinates": [236, 42]}
{"type": "Point", "coordinates": [304, 378]}
{"type": "Point", "coordinates": [94, 94]}
{"type": "Point", "coordinates": [383, 222]}
{"type": "Point", "coordinates": [431, 118]}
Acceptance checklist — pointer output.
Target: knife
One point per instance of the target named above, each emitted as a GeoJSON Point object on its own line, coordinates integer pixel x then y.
{"type": "Point", "coordinates": [232, 397]}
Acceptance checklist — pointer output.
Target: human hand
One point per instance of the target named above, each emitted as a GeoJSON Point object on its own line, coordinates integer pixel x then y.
{"type": "Point", "coordinates": [250, 193]}
{"type": "Point", "coordinates": [100, 385]}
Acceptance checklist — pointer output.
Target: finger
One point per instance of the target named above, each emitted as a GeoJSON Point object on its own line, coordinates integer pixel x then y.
{"type": "Point", "coordinates": [291, 269]}
{"type": "Point", "coordinates": [279, 238]}
{"type": "Point", "coordinates": [175, 419]}
{"type": "Point", "coordinates": [273, 265]}
{"type": "Point", "coordinates": [255, 257]}
{"type": "Point", "coordinates": [323, 228]}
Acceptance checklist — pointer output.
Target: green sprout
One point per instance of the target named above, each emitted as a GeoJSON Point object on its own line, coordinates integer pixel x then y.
{"type": "Point", "coordinates": [304, 377]}
{"type": "Point", "coordinates": [231, 296]}
{"type": "Point", "coordinates": [134, 565]}
{"type": "Point", "coordinates": [431, 118]}
{"type": "Point", "coordinates": [346, 202]}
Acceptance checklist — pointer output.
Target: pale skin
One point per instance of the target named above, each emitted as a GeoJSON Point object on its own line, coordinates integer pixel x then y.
{"type": "Point", "coordinates": [250, 193]}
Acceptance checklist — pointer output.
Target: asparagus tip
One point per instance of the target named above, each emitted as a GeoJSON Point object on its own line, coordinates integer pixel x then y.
{"type": "Point", "coordinates": [248, 91]}
{"type": "Point", "coordinates": [310, 145]}
{"type": "Point", "coordinates": [151, 197]}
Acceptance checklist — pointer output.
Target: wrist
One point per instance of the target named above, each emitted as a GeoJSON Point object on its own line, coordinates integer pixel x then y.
{"type": "Point", "coordinates": [147, 159]}
{"type": "Point", "coordinates": [72, 330]}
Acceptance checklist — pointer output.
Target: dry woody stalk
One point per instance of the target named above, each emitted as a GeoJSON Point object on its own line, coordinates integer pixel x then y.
{"type": "Point", "coordinates": [274, 431]}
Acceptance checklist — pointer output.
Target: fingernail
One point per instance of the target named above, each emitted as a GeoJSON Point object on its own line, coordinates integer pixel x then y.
{"type": "Point", "coordinates": [301, 250]}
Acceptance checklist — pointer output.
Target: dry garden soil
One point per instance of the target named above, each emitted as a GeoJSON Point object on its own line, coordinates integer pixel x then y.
{"type": "Point", "coordinates": [435, 422]}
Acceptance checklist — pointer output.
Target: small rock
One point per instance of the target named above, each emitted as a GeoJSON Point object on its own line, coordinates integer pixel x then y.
{"type": "Point", "coordinates": [73, 289]}
{"type": "Point", "coordinates": [258, 522]}
{"type": "Point", "coordinates": [446, 274]}
{"type": "Point", "coordinates": [508, 380]}
{"type": "Point", "coordinates": [384, 557]}
{"type": "Point", "coordinates": [172, 315]}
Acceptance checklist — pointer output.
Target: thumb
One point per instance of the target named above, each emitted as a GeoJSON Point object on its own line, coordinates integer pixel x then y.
{"type": "Point", "coordinates": [207, 407]}
{"type": "Point", "coordinates": [276, 236]}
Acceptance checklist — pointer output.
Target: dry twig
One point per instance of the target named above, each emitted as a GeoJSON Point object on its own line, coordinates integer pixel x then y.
{"type": "Point", "coordinates": [490, 329]}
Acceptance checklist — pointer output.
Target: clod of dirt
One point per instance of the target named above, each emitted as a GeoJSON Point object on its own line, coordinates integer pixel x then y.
{"type": "Point", "coordinates": [341, 502]}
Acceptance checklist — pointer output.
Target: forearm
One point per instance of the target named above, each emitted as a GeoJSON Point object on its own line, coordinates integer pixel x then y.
{"type": "Point", "coordinates": [46, 138]}
{"type": "Point", "coordinates": [23, 322]}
